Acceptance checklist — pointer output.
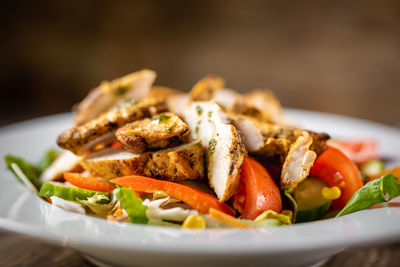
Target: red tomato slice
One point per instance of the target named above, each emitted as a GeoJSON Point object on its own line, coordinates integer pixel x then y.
{"type": "Point", "coordinates": [335, 168]}
{"type": "Point", "coordinates": [257, 191]}
{"type": "Point", "coordinates": [359, 150]}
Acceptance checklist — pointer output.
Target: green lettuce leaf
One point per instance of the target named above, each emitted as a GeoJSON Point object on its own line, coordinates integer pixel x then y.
{"type": "Point", "coordinates": [48, 158]}
{"type": "Point", "coordinates": [49, 189]}
{"type": "Point", "coordinates": [31, 171]}
{"type": "Point", "coordinates": [376, 191]}
{"type": "Point", "coordinates": [132, 205]}
{"type": "Point", "coordinates": [293, 203]}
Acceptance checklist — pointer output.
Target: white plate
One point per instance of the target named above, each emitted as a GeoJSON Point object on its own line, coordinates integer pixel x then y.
{"type": "Point", "coordinates": [129, 244]}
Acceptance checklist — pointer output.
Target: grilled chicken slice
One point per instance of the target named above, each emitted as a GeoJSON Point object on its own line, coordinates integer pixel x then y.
{"type": "Point", "coordinates": [177, 103]}
{"type": "Point", "coordinates": [260, 104]}
{"type": "Point", "coordinates": [134, 86]}
{"type": "Point", "coordinates": [226, 98]}
{"type": "Point", "coordinates": [209, 124]}
{"type": "Point", "coordinates": [162, 131]}
{"type": "Point", "coordinates": [79, 138]}
{"type": "Point", "coordinates": [273, 140]}
{"type": "Point", "coordinates": [163, 92]}
{"type": "Point", "coordinates": [174, 164]}
{"type": "Point", "coordinates": [109, 163]}
{"type": "Point", "coordinates": [298, 162]}
{"type": "Point", "coordinates": [66, 162]}
{"type": "Point", "coordinates": [185, 162]}
{"type": "Point", "coordinates": [204, 89]}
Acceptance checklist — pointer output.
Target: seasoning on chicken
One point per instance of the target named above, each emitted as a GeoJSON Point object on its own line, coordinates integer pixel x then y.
{"type": "Point", "coordinates": [78, 139]}
{"type": "Point", "coordinates": [162, 92]}
{"type": "Point", "coordinates": [273, 140]}
{"type": "Point", "coordinates": [134, 86]}
{"type": "Point", "coordinates": [298, 162]}
{"type": "Point", "coordinates": [162, 131]}
{"type": "Point", "coordinates": [260, 104]}
{"type": "Point", "coordinates": [174, 164]}
{"type": "Point", "coordinates": [179, 163]}
{"type": "Point", "coordinates": [206, 87]}
{"type": "Point", "coordinates": [209, 124]}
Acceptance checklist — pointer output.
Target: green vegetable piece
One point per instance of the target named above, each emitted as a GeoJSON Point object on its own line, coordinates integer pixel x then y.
{"type": "Point", "coordinates": [311, 204]}
{"type": "Point", "coordinates": [49, 157]}
{"type": "Point", "coordinates": [132, 205]}
{"type": "Point", "coordinates": [50, 189]}
{"type": "Point", "coordinates": [372, 168]}
{"type": "Point", "coordinates": [376, 191]}
{"type": "Point", "coordinates": [30, 170]}
{"type": "Point", "coordinates": [293, 203]}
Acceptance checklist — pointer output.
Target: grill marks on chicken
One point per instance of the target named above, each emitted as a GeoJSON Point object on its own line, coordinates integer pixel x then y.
{"type": "Point", "coordinates": [174, 164]}
{"type": "Point", "coordinates": [162, 131]}
{"type": "Point", "coordinates": [78, 138]}
{"type": "Point", "coordinates": [185, 162]}
{"type": "Point", "coordinates": [208, 124]}
{"type": "Point", "coordinates": [134, 86]}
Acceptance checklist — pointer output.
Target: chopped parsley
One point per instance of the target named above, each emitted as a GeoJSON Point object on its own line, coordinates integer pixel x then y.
{"type": "Point", "coordinates": [160, 118]}
{"type": "Point", "coordinates": [199, 110]}
{"type": "Point", "coordinates": [211, 146]}
{"type": "Point", "coordinates": [125, 104]}
{"type": "Point", "coordinates": [209, 114]}
{"type": "Point", "coordinates": [121, 89]}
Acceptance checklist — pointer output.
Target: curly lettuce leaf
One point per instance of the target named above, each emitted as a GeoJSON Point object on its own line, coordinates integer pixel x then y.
{"type": "Point", "coordinates": [101, 210]}
{"type": "Point", "coordinates": [132, 205]}
{"type": "Point", "coordinates": [376, 191]}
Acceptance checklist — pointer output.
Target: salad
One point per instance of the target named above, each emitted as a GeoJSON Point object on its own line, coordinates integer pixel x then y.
{"type": "Point", "coordinates": [209, 158]}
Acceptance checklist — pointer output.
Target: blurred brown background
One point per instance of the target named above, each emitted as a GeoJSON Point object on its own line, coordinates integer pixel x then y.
{"type": "Point", "coordinates": [334, 56]}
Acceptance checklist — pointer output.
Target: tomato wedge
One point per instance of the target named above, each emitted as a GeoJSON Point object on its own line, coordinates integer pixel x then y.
{"type": "Point", "coordinates": [359, 150]}
{"type": "Point", "coordinates": [88, 182]}
{"type": "Point", "coordinates": [335, 168]}
{"type": "Point", "coordinates": [197, 199]}
{"type": "Point", "coordinates": [257, 191]}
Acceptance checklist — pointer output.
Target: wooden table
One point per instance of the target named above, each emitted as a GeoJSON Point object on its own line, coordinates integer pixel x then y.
{"type": "Point", "coordinates": [18, 250]}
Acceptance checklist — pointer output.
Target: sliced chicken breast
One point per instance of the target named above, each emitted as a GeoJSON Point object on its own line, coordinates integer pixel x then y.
{"type": "Point", "coordinates": [134, 86]}
{"type": "Point", "coordinates": [174, 164]}
{"type": "Point", "coordinates": [209, 124]}
{"type": "Point", "coordinates": [185, 162]}
{"type": "Point", "coordinates": [66, 162]}
{"type": "Point", "coordinates": [78, 138]}
{"type": "Point", "coordinates": [273, 140]}
{"type": "Point", "coordinates": [177, 103]}
{"type": "Point", "coordinates": [109, 163]}
{"type": "Point", "coordinates": [204, 89]}
{"type": "Point", "coordinates": [163, 92]}
{"type": "Point", "coordinates": [298, 162]}
{"type": "Point", "coordinates": [260, 104]}
{"type": "Point", "coordinates": [162, 131]}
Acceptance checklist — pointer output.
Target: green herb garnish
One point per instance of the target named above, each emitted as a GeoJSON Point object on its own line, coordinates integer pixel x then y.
{"type": "Point", "coordinates": [199, 110]}
{"type": "Point", "coordinates": [374, 192]}
{"type": "Point", "coordinates": [211, 146]}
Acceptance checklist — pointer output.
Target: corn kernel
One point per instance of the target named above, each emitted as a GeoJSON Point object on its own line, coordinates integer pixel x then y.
{"type": "Point", "coordinates": [194, 221]}
{"type": "Point", "coordinates": [331, 193]}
